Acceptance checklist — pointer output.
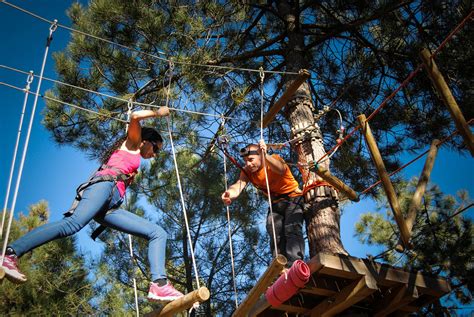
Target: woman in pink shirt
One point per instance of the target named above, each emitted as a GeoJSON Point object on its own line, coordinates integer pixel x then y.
{"type": "Point", "coordinates": [100, 198]}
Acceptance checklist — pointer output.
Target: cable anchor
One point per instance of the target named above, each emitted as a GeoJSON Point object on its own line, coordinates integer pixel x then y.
{"type": "Point", "coordinates": [29, 80]}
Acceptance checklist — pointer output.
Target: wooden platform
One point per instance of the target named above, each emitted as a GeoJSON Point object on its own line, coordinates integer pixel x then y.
{"type": "Point", "coordinates": [348, 286]}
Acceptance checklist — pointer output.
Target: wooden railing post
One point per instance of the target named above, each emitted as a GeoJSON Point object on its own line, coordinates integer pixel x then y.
{"type": "Point", "coordinates": [384, 177]}
{"type": "Point", "coordinates": [263, 283]}
{"type": "Point", "coordinates": [290, 90]}
{"type": "Point", "coordinates": [336, 183]}
{"type": "Point", "coordinates": [420, 189]}
{"type": "Point", "coordinates": [448, 99]}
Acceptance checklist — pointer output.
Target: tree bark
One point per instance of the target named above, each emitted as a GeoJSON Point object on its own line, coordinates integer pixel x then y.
{"type": "Point", "coordinates": [322, 214]}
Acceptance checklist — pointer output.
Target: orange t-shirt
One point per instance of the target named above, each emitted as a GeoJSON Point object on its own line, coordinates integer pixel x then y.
{"type": "Point", "coordinates": [279, 184]}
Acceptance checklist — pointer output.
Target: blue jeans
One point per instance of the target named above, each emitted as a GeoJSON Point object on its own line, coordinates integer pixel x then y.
{"type": "Point", "coordinates": [98, 203]}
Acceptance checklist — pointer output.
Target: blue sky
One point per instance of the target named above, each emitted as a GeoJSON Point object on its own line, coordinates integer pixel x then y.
{"type": "Point", "coordinates": [52, 172]}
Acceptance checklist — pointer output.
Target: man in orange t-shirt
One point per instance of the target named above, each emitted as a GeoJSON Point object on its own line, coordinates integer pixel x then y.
{"type": "Point", "coordinates": [287, 202]}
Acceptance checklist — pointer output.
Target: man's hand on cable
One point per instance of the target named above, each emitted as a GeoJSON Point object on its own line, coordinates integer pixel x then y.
{"type": "Point", "coordinates": [263, 147]}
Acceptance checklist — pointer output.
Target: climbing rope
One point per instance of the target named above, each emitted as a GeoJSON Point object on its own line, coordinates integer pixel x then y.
{"type": "Point", "coordinates": [135, 290]}
{"type": "Point", "coordinates": [168, 121]}
{"type": "Point", "coordinates": [224, 142]}
{"type": "Point", "coordinates": [262, 77]}
{"type": "Point", "coordinates": [29, 80]}
{"type": "Point", "coordinates": [52, 28]}
{"type": "Point", "coordinates": [130, 245]}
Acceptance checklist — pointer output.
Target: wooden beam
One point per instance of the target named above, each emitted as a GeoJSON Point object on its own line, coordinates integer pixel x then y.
{"type": "Point", "coordinates": [349, 295]}
{"type": "Point", "coordinates": [350, 267]}
{"type": "Point", "coordinates": [290, 90]}
{"type": "Point", "coordinates": [320, 286]}
{"type": "Point", "coordinates": [448, 99]}
{"type": "Point", "coordinates": [317, 291]}
{"type": "Point", "coordinates": [263, 283]}
{"type": "Point", "coordinates": [259, 307]}
{"type": "Point", "coordinates": [394, 299]}
{"type": "Point", "coordinates": [385, 178]}
{"type": "Point", "coordinates": [336, 182]}
{"type": "Point", "coordinates": [183, 303]}
{"type": "Point", "coordinates": [420, 189]}
{"type": "Point", "coordinates": [2, 273]}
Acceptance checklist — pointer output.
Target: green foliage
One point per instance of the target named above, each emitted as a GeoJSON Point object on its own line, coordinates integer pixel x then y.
{"type": "Point", "coordinates": [442, 238]}
{"type": "Point", "coordinates": [58, 283]}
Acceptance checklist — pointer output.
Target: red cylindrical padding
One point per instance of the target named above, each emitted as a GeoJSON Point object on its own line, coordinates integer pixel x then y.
{"type": "Point", "coordinates": [287, 286]}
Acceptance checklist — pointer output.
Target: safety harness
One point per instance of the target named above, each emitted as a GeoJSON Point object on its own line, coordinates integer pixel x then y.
{"type": "Point", "coordinates": [94, 179]}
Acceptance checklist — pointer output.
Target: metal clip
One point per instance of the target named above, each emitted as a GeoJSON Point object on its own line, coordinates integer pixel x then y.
{"type": "Point", "coordinates": [29, 80]}
{"type": "Point", "coordinates": [262, 74]}
{"type": "Point", "coordinates": [53, 26]}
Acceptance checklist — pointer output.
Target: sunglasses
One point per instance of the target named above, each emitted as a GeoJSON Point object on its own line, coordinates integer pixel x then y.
{"type": "Point", "coordinates": [246, 152]}
{"type": "Point", "coordinates": [156, 147]}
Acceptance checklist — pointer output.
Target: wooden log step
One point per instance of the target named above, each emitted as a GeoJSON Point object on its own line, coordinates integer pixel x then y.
{"type": "Point", "coordinates": [183, 303]}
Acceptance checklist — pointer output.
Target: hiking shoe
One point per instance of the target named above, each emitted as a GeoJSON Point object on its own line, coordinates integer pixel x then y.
{"type": "Point", "coordinates": [163, 293]}
{"type": "Point", "coordinates": [10, 265]}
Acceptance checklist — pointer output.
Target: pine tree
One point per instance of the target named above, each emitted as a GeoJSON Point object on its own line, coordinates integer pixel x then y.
{"type": "Point", "coordinates": [357, 52]}
{"type": "Point", "coordinates": [442, 240]}
{"type": "Point", "coordinates": [58, 282]}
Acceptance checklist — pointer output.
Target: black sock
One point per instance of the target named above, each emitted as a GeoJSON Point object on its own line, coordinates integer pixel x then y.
{"type": "Point", "coordinates": [161, 281]}
{"type": "Point", "coordinates": [10, 251]}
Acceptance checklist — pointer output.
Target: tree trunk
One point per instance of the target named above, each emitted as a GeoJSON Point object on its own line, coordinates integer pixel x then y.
{"type": "Point", "coordinates": [322, 212]}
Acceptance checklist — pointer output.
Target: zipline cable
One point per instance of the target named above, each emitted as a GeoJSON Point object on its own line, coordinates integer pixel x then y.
{"type": "Point", "coordinates": [141, 52]}
{"type": "Point", "coordinates": [95, 112]}
{"type": "Point", "coordinates": [52, 28]}
{"type": "Point", "coordinates": [29, 80]}
{"type": "Point", "coordinates": [116, 98]}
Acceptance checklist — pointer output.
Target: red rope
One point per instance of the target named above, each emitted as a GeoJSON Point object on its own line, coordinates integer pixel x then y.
{"type": "Point", "coordinates": [413, 160]}
{"type": "Point", "coordinates": [456, 30]}
{"type": "Point", "coordinates": [403, 84]}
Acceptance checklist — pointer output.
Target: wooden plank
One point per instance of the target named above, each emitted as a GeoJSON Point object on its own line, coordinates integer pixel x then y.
{"type": "Point", "coordinates": [351, 294]}
{"type": "Point", "coordinates": [420, 189]}
{"type": "Point", "coordinates": [336, 182]}
{"type": "Point", "coordinates": [183, 303]}
{"type": "Point", "coordinates": [292, 309]}
{"type": "Point", "coordinates": [394, 299]}
{"type": "Point", "coordinates": [263, 283]}
{"type": "Point", "coordinates": [290, 90]}
{"type": "Point", "coordinates": [448, 99]}
{"type": "Point", "coordinates": [385, 178]}
{"type": "Point", "coordinates": [384, 275]}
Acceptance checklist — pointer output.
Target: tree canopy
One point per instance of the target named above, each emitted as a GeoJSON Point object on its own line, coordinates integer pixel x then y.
{"type": "Point", "coordinates": [442, 240]}
{"type": "Point", "coordinates": [208, 55]}
{"type": "Point", "coordinates": [58, 281]}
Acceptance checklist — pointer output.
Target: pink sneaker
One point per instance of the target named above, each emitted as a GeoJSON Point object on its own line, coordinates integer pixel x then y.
{"type": "Point", "coordinates": [12, 272]}
{"type": "Point", "coordinates": [163, 293]}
